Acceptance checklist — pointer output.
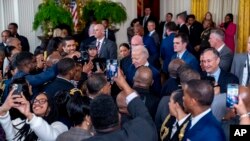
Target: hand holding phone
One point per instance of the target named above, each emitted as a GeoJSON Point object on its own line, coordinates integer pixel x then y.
{"type": "Point", "coordinates": [17, 89]}
{"type": "Point", "coordinates": [232, 95]}
{"type": "Point", "coordinates": [111, 69]}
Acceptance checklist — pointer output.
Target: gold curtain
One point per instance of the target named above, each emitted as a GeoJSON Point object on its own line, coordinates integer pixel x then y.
{"type": "Point", "coordinates": [199, 8]}
{"type": "Point", "coordinates": [244, 25]}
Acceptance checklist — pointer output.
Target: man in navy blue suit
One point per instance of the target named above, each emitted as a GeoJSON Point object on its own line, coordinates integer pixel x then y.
{"type": "Point", "coordinates": [197, 100]}
{"type": "Point", "coordinates": [180, 47]}
{"type": "Point", "coordinates": [139, 58]}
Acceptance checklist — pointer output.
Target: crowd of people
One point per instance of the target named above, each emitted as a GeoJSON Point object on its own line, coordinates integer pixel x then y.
{"type": "Point", "coordinates": [171, 83]}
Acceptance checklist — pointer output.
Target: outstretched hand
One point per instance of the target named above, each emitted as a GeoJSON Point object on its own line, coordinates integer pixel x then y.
{"type": "Point", "coordinates": [122, 83]}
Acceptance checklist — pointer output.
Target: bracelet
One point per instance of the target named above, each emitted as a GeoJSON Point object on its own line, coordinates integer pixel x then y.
{"type": "Point", "coordinates": [244, 115]}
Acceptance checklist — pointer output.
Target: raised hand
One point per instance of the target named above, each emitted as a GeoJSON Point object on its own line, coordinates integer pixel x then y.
{"type": "Point", "coordinates": [9, 103]}
{"type": "Point", "coordinates": [24, 106]}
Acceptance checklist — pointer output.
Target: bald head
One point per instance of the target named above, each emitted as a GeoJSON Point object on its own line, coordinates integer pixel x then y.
{"type": "Point", "coordinates": [12, 41]}
{"type": "Point", "coordinates": [121, 102]}
{"type": "Point", "coordinates": [99, 31]}
{"type": "Point", "coordinates": [143, 77]}
{"type": "Point", "coordinates": [136, 40]}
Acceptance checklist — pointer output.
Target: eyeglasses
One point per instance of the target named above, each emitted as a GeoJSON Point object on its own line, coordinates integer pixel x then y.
{"type": "Point", "coordinates": [39, 101]}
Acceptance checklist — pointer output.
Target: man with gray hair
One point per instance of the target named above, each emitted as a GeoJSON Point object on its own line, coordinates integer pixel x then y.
{"type": "Point", "coordinates": [139, 57]}
{"type": "Point", "coordinates": [216, 41]}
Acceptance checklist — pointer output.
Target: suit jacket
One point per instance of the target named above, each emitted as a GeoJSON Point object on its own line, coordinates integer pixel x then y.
{"type": "Point", "coordinates": [218, 106]}
{"type": "Point", "coordinates": [169, 86]}
{"type": "Point", "coordinates": [226, 58]}
{"type": "Point", "coordinates": [150, 100]}
{"type": "Point", "coordinates": [108, 49]}
{"type": "Point", "coordinates": [58, 84]}
{"type": "Point", "coordinates": [195, 31]}
{"type": "Point", "coordinates": [229, 36]}
{"type": "Point", "coordinates": [111, 35]}
{"type": "Point", "coordinates": [24, 42]}
{"type": "Point", "coordinates": [206, 129]}
{"type": "Point", "coordinates": [156, 38]}
{"type": "Point", "coordinates": [132, 130]}
{"type": "Point", "coordinates": [183, 29]}
{"type": "Point", "coordinates": [238, 65]}
{"type": "Point", "coordinates": [162, 112]}
{"type": "Point", "coordinates": [189, 59]}
{"type": "Point", "coordinates": [169, 124]}
{"type": "Point", "coordinates": [224, 79]}
{"type": "Point", "coordinates": [160, 30]}
{"type": "Point", "coordinates": [156, 86]}
{"type": "Point", "coordinates": [152, 50]}
{"type": "Point", "coordinates": [2, 46]}
{"type": "Point", "coordinates": [150, 18]}
{"type": "Point", "coordinates": [167, 51]}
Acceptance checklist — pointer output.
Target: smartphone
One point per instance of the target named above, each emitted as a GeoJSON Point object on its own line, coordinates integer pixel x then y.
{"type": "Point", "coordinates": [111, 69]}
{"type": "Point", "coordinates": [17, 89]}
{"type": "Point", "coordinates": [232, 95]}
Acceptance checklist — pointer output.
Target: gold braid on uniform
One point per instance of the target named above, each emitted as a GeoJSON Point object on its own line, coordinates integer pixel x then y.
{"type": "Point", "coordinates": [182, 131]}
{"type": "Point", "coordinates": [72, 91]}
{"type": "Point", "coordinates": [164, 130]}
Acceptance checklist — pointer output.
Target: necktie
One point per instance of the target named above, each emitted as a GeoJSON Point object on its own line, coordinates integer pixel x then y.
{"type": "Point", "coordinates": [144, 21]}
{"type": "Point", "coordinates": [98, 47]}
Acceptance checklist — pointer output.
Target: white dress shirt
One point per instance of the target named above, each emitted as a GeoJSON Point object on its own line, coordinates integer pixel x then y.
{"type": "Point", "coordinates": [195, 119]}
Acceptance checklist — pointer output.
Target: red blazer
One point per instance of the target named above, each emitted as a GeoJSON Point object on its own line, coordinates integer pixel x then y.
{"type": "Point", "coordinates": [229, 36]}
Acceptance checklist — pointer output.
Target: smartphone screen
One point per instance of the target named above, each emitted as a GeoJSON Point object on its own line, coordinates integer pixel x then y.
{"type": "Point", "coordinates": [111, 69]}
{"type": "Point", "coordinates": [232, 95]}
{"type": "Point", "coordinates": [17, 89]}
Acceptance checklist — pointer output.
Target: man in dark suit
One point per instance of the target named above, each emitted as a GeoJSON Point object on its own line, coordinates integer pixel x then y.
{"type": "Point", "coordinates": [167, 45]}
{"type": "Point", "coordinates": [152, 33]}
{"type": "Point", "coordinates": [105, 118]}
{"type": "Point", "coordinates": [147, 17]}
{"type": "Point", "coordinates": [180, 47]}
{"type": "Point", "coordinates": [106, 48]}
{"type": "Point", "coordinates": [139, 58]}
{"type": "Point", "coordinates": [109, 34]}
{"type": "Point", "coordinates": [4, 35]}
{"type": "Point", "coordinates": [197, 100]}
{"type": "Point", "coordinates": [162, 26]}
{"type": "Point", "coordinates": [216, 41]}
{"type": "Point", "coordinates": [12, 27]}
{"type": "Point", "coordinates": [211, 61]}
{"type": "Point", "coordinates": [240, 66]}
{"type": "Point", "coordinates": [195, 31]}
{"type": "Point", "coordinates": [142, 82]}
{"type": "Point", "coordinates": [181, 21]}
{"type": "Point", "coordinates": [66, 71]}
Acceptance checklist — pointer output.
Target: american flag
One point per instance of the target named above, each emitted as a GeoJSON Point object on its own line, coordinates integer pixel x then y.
{"type": "Point", "coordinates": [74, 13]}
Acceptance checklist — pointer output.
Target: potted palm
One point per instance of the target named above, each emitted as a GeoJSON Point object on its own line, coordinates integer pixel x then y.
{"type": "Point", "coordinates": [105, 9]}
{"type": "Point", "coordinates": [50, 15]}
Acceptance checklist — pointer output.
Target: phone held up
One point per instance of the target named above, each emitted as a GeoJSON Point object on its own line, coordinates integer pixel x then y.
{"type": "Point", "coordinates": [111, 69]}
{"type": "Point", "coordinates": [232, 95]}
{"type": "Point", "coordinates": [17, 89]}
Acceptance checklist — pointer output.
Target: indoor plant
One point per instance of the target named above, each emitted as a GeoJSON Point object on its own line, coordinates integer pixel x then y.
{"type": "Point", "coordinates": [105, 9]}
{"type": "Point", "coordinates": [50, 15]}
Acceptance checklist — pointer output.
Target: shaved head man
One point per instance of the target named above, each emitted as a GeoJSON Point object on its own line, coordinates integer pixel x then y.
{"type": "Point", "coordinates": [143, 77]}
{"type": "Point", "coordinates": [12, 41]}
{"type": "Point", "coordinates": [99, 31]}
{"type": "Point", "coordinates": [136, 40]}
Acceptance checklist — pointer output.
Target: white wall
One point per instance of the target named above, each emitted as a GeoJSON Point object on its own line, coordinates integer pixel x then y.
{"type": "Point", "coordinates": [22, 12]}
{"type": "Point", "coordinates": [131, 9]}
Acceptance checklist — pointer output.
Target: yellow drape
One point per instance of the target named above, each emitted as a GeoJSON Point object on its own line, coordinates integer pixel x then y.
{"type": "Point", "coordinates": [199, 8]}
{"type": "Point", "coordinates": [244, 25]}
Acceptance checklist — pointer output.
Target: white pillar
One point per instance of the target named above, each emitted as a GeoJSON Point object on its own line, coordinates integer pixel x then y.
{"type": "Point", "coordinates": [131, 9]}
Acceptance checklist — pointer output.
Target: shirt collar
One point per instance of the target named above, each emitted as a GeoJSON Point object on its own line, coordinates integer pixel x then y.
{"type": "Point", "coordinates": [220, 48]}
{"type": "Point", "coordinates": [101, 40]}
{"type": "Point", "coordinates": [216, 74]}
{"type": "Point", "coordinates": [146, 64]}
{"type": "Point", "coordinates": [180, 122]}
{"type": "Point", "coordinates": [198, 117]}
{"type": "Point", "coordinates": [151, 32]}
{"type": "Point", "coordinates": [181, 54]}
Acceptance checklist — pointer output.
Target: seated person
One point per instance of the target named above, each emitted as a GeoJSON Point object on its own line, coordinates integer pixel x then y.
{"type": "Point", "coordinates": [41, 121]}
